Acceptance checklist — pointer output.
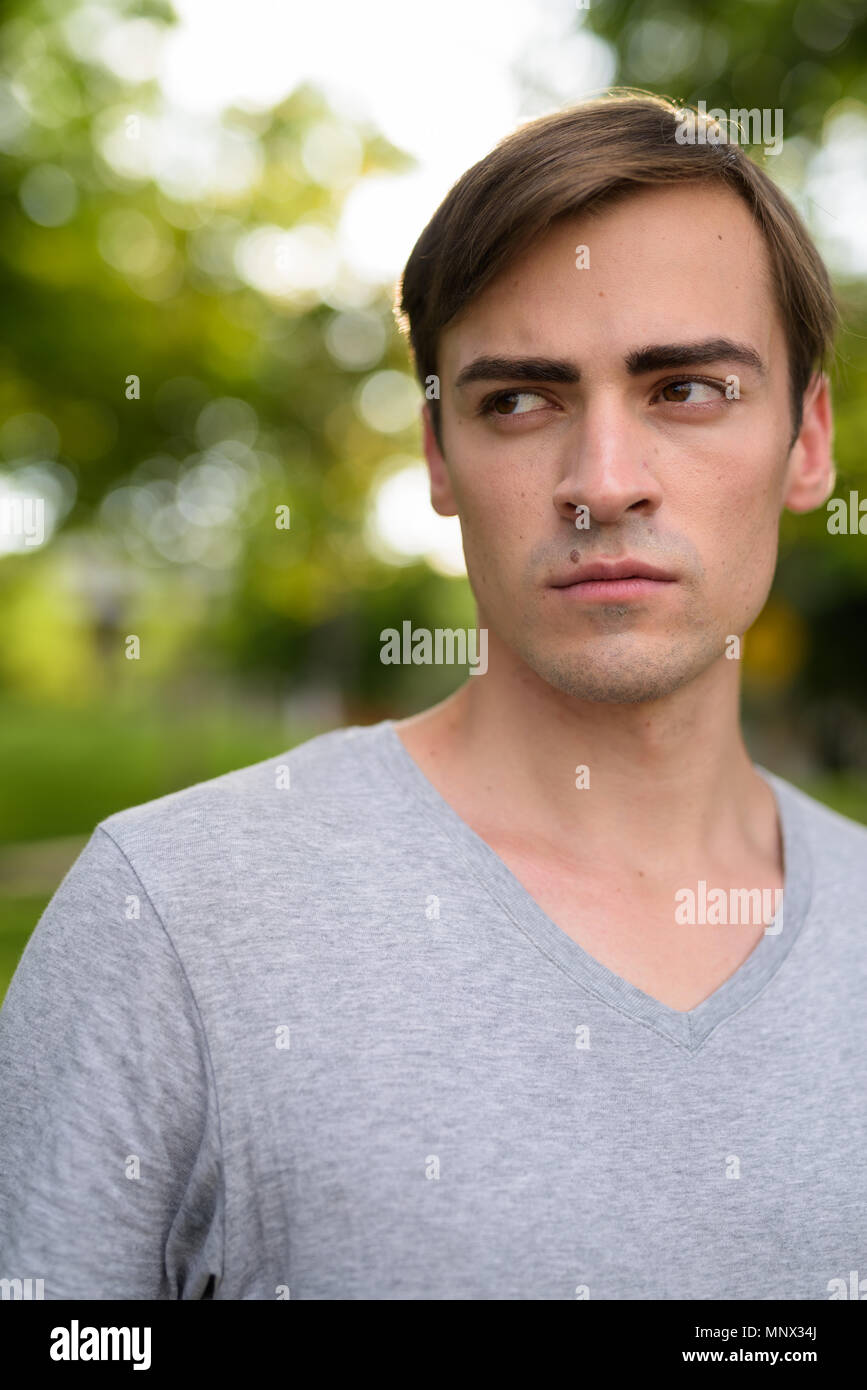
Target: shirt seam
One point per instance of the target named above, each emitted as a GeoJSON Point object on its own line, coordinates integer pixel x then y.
{"type": "Point", "coordinates": [543, 950]}
{"type": "Point", "coordinates": [204, 1036]}
{"type": "Point", "coordinates": [691, 1047]}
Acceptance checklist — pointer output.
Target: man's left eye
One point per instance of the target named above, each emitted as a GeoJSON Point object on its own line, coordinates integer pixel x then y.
{"type": "Point", "coordinates": [684, 392]}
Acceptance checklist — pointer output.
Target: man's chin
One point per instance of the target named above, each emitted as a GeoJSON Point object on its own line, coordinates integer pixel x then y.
{"type": "Point", "coordinates": [615, 682]}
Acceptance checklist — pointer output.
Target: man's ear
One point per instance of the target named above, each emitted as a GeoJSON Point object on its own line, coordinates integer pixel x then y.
{"type": "Point", "coordinates": [441, 495]}
{"type": "Point", "coordinates": [810, 471]}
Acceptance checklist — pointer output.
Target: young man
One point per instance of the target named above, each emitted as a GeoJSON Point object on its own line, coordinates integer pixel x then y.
{"type": "Point", "coordinates": [503, 1001]}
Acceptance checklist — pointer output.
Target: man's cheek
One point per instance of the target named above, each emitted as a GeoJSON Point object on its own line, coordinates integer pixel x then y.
{"type": "Point", "coordinates": [741, 589]}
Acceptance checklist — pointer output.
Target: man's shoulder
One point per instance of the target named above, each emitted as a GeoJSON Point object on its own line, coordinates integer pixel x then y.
{"type": "Point", "coordinates": [328, 774]}
{"type": "Point", "coordinates": [837, 837]}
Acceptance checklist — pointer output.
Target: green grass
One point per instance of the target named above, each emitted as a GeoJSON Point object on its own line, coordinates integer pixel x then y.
{"type": "Point", "coordinates": [66, 770]}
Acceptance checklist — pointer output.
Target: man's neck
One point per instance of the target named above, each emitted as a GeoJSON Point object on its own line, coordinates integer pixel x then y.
{"type": "Point", "coordinates": [668, 782]}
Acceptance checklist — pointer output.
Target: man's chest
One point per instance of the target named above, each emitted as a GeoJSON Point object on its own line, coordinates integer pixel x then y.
{"type": "Point", "coordinates": [426, 1102]}
{"type": "Point", "coordinates": [501, 1160]}
{"type": "Point", "coordinates": [677, 941]}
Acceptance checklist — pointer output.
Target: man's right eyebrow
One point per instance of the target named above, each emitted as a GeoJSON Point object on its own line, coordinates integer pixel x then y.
{"type": "Point", "coordinates": [558, 369]}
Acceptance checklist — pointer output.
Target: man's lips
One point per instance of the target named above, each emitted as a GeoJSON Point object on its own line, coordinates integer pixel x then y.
{"type": "Point", "coordinates": [613, 579]}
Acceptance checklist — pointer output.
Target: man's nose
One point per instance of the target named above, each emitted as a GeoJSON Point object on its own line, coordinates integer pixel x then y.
{"type": "Point", "coordinates": [606, 467]}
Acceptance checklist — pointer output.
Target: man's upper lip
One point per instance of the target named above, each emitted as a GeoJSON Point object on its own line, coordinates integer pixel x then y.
{"type": "Point", "coordinates": [610, 569]}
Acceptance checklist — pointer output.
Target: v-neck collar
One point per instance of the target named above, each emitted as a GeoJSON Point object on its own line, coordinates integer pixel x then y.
{"type": "Point", "coordinates": [688, 1029]}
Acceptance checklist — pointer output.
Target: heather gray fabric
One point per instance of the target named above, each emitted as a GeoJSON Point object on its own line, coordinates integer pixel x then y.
{"type": "Point", "coordinates": [338, 1055]}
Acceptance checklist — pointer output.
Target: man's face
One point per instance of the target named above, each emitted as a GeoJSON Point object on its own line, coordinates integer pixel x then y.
{"type": "Point", "coordinates": [674, 468]}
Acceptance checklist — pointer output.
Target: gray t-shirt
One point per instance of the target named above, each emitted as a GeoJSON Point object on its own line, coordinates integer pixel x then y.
{"type": "Point", "coordinates": [299, 1032]}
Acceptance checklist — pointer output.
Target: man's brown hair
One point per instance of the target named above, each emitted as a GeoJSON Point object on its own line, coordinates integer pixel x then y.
{"type": "Point", "coordinates": [586, 156]}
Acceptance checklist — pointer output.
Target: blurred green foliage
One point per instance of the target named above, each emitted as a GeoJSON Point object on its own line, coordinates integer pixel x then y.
{"type": "Point", "coordinates": [63, 772]}
{"type": "Point", "coordinates": [167, 502]}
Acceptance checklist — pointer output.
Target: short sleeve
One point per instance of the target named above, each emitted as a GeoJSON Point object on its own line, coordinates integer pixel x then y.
{"type": "Point", "coordinates": [110, 1173]}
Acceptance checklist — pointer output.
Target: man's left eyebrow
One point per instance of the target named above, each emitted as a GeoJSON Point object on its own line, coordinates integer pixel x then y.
{"type": "Point", "coordinates": [658, 356]}
{"type": "Point", "coordinates": [518, 369]}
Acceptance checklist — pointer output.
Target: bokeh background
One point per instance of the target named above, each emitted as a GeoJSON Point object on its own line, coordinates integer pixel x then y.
{"type": "Point", "coordinates": [217, 199]}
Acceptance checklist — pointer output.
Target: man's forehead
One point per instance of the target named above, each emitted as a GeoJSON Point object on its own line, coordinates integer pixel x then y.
{"type": "Point", "coordinates": [701, 217]}
{"type": "Point", "coordinates": [644, 279]}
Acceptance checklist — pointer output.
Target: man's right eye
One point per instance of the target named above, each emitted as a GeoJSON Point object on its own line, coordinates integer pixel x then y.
{"type": "Point", "coordinates": [506, 403]}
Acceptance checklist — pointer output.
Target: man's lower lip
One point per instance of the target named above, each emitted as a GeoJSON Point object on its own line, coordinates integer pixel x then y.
{"type": "Point", "coordinates": [637, 587]}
